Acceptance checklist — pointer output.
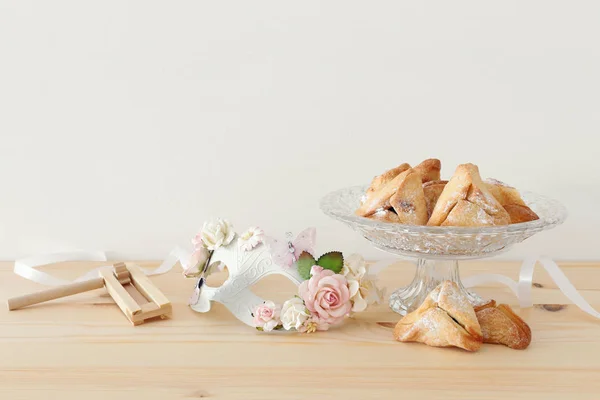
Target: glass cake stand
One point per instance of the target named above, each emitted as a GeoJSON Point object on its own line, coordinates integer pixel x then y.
{"type": "Point", "coordinates": [438, 249]}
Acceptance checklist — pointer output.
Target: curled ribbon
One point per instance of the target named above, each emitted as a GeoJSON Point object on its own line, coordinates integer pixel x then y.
{"type": "Point", "coordinates": [522, 288]}
{"type": "Point", "coordinates": [27, 267]}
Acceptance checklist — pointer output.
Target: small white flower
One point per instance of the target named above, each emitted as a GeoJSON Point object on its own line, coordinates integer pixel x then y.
{"type": "Point", "coordinates": [362, 286]}
{"type": "Point", "coordinates": [364, 293]}
{"type": "Point", "coordinates": [294, 313]}
{"type": "Point", "coordinates": [355, 267]}
{"type": "Point", "coordinates": [251, 238]}
{"type": "Point", "coordinates": [216, 233]}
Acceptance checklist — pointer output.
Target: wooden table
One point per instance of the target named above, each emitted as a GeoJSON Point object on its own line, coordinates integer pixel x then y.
{"type": "Point", "coordinates": [84, 348]}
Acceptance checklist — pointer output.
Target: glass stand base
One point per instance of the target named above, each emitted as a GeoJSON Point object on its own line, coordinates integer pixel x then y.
{"type": "Point", "coordinates": [430, 273]}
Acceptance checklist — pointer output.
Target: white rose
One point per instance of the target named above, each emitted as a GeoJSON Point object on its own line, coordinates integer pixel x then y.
{"type": "Point", "coordinates": [294, 313]}
{"type": "Point", "coordinates": [216, 233]}
{"type": "Point", "coordinates": [363, 293]}
{"type": "Point", "coordinates": [363, 290]}
{"type": "Point", "coordinates": [355, 267]}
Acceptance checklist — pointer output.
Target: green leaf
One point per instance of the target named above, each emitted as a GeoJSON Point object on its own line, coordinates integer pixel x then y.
{"type": "Point", "coordinates": [258, 328]}
{"type": "Point", "coordinates": [333, 260]}
{"type": "Point", "coordinates": [304, 264]}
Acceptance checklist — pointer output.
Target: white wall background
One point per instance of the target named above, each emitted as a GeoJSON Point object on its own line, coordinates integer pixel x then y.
{"type": "Point", "coordinates": [124, 125]}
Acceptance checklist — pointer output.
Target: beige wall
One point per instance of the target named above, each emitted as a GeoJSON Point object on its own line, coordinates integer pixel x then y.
{"type": "Point", "coordinates": [123, 125]}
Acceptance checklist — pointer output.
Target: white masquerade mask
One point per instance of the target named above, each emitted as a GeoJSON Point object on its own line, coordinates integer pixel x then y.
{"type": "Point", "coordinates": [245, 269]}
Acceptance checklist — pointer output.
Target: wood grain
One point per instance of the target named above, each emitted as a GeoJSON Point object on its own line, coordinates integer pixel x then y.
{"type": "Point", "coordinates": [83, 346]}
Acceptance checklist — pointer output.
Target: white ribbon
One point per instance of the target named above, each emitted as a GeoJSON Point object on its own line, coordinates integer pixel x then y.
{"type": "Point", "coordinates": [27, 267]}
{"type": "Point", "coordinates": [522, 288]}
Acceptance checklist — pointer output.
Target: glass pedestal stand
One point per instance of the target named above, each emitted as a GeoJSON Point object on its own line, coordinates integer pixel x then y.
{"type": "Point", "coordinates": [438, 248]}
{"type": "Point", "coordinates": [430, 273]}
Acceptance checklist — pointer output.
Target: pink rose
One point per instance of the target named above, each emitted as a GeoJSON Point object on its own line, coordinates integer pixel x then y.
{"type": "Point", "coordinates": [266, 316]}
{"type": "Point", "coordinates": [196, 263]}
{"type": "Point", "coordinates": [326, 295]}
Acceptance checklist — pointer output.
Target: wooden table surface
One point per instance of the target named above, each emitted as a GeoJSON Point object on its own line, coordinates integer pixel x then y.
{"type": "Point", "coordinates": [83, 347]}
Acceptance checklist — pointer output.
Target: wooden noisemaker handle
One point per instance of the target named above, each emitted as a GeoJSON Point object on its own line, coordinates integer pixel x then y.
{"type": "Point", "coordinates": [54, 293]}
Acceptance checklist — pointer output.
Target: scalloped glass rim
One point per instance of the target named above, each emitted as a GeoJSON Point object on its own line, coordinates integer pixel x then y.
{"type": "Point", "coordinates": [547, 219]}
{"type": "Point", "coordinates": [447, 242]}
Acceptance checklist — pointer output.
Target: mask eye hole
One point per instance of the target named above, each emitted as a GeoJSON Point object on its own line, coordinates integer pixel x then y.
{"type": "Point", "coordinates": [275, 287]}
{"type": "Point", "coordinates": [219, 274]}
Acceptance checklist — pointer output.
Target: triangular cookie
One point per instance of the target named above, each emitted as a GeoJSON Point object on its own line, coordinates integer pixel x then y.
{"type": "Point", "coordinates": [381, 180]}
{"type": "Point", "coordinates": [504, 193]}
{"type": "Point", "coordinates": [456, 189]}
{"type": "Point", "coordinates": [446, 318]}
{"type": "Point", "coordinates": [466, 184]}
{"type": "Point", "coordinates": [500, 325]}
{"type": "Point", "coordinates": [429, 170]}
{"type": "Point", "coordinates": [409, 200]}
{"type": "Point", "coordinates": [520, 214]}
{"type": "Point", "coordinates": [385, 216]}
{"type": "Point", "coordinates": [467, 214]}
{"type": "Point", "coordinates": [511, 200]}
{"type": "Point", "coordinates": [432, 191]}
{"type": "Point", "coordinates": [380, 199]}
